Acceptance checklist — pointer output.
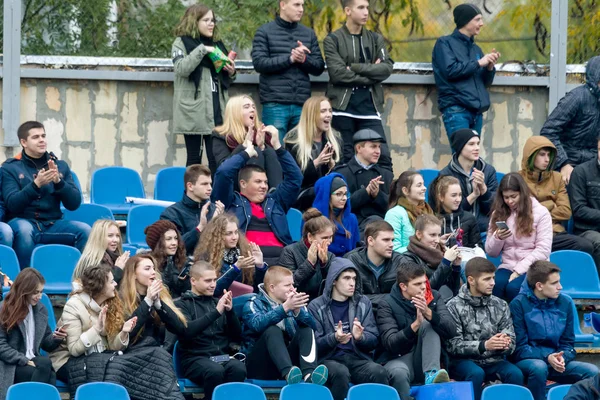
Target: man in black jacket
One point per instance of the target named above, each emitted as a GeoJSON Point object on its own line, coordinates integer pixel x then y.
{"type": "Point", "coordinates": [194, 210]}
{"type": "Point", "coordinates": [377, 262]}
{"type": "Point", "coordinates": [368, 182]}
{"type": "Point", "coordinates": [584, 193]}
{"type": "Point", "coordinates": [463, 73]}
{"type": "Point", "coordinates": [412, 321]}
{"type": "Point", "coordinates": [574, 124]}
{"type": "Point", "coordinates": [212, 327]}
{"type": "Point", "coordinates": [284, 75]}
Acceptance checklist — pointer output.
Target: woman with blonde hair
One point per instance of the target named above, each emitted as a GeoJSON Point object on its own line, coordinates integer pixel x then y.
{"type": "Point", "coordinates": [240, 127]}
{"type": "Point", "coordinates": [200, 89]}
{"type": "Point", "coordinates": [224, 247]}
{"type": "Point", "coordinates": [104, 245]}
{"type": "Point", "coordinates": [314, 144]}
{"type": "Point", "coordinates": [145, 297]}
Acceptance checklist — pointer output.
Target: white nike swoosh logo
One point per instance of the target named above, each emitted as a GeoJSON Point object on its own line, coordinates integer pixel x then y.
{"type": "Point", "coordinates": [312, 356]}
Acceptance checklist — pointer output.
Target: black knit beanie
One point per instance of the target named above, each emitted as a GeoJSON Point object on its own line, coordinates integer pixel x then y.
{"type": "Point", "coordinates": [464, 13]}
{"type": "Point", "coordinates": [461, 137]}
{"type": "Point", "coordinates": [337, 183]}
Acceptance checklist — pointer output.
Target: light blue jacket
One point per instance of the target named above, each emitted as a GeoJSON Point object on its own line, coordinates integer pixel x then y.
{"type": "Point", "coordinates": [403, 229]}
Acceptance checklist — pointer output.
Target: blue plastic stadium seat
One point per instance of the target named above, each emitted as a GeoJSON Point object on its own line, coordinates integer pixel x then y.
{"type": "Point", "coordinates": [579, 277]}
{"type": "Point", "coordinates": [306, 391]}
{"type": "Point", "coordinates": [428, 175]}
{"type": "Point", "coordinates": [89, 213]}
{"type": "Point", "coordinates": [372, 391]}
{"type": "Point", "coordinates": [56, 262]}
{"type": "Point", "coordinates": [169, 184]}
{"type": "Point", "coordinates": [450, 390]}
{"type": "Point", "coordinates": [238, 390]}
{"type": "Point", "coordinates": [32, 390]}
{"type": "Point", "coordinates": [506, 391]}
{"type": "Point", "coordinates": [111, 185]}
{"type": "Point", "coordinates": [495, 260]}
{"type": "Point", "coordinates": [294, 220]}
{"type": "Point", "coordinates": [185, 385]}
{"type": "Point", "coordinates": [48, 304]}
{"type": "Point", "coordinates": [558, 392]}
{"type": "Point", "coordinates": [101, 391]}
{"type": "Point", "coordinates": [138, 219]}
{"type": "Point", "coordinates": [9, 264]}
{"type": "Point", "coordinates": [570, 225]}
{"type": "Point", "coordinates": [499, 176]}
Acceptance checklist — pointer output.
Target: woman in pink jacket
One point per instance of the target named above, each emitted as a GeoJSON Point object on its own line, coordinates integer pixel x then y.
{"type": "Point", "coordinates": [521, 229]}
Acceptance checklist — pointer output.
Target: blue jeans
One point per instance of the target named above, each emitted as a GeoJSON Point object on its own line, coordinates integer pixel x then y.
{"type": "Point", "coordinates": [503, 288]}
{"type": "Point", "coordinates": [29, 233]}
{"type": "Point", "coordinates": [6, 234]}
{"type": "Point", "coordinates": [458, 117]}
{"type": "Point", "coordinates": [467, 370]}
{"type": "Point", "coordinates": [282, 116]}
{"type": "Point", "coordinates": [537, 372]}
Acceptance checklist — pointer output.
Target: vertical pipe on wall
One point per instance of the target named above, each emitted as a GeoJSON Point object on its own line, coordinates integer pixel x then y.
{"type": "Point", "coordinates": [11, 72]}
{"type": "Point", "coordinates": [558, 52]}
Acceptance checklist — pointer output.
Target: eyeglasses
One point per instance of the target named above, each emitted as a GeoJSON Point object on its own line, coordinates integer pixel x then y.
{"type": "Point", "coordinates": [341, 195]}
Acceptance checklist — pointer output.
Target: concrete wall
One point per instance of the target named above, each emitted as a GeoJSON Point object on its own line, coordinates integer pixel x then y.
{"type": "Point", "coordinates": [92, 124]}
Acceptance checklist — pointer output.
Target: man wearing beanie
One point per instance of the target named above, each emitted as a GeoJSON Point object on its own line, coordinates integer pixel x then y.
{"type": "Point", "coordinates": [477, 178]}
{"type": "Point", "coordinates": [462, 72]}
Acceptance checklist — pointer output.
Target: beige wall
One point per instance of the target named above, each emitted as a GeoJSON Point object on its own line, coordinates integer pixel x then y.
{"type": "Point", "coordinates": [92, 124]}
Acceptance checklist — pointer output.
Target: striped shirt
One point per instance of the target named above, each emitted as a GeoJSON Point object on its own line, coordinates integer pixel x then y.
{"type": "Point", "coordinates": [259, 231]}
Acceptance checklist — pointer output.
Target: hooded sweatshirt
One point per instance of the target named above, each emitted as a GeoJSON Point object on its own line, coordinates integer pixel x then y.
{"type": "Point", "coordinates": [547, 186]}
{"type": "Point", "coordinates": [359, 307]}
{"type": "Point", "coordinates": [341, 243]}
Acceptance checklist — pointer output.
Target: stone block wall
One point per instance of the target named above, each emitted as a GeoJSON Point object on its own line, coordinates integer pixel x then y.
{"type": "Point", "coordinates": [93, 124]}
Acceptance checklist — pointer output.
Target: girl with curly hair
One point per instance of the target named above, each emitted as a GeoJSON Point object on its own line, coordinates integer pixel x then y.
{"type": "Point", "coordinates": [224, 247]}
{"type": "Point", "coordinates": [168, 249]}
{"type": "Point", "coordinates": [93, 320]}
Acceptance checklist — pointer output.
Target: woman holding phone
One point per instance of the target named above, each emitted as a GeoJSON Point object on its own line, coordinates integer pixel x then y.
{"type": "Point", "coordinates": [200, 91]}
{"type": "Point", "coordinates": [24, 331]}
{"type": "Point", "coordinates": [315, 146]}
{"type": "Point", "coordinates": [520, 230]}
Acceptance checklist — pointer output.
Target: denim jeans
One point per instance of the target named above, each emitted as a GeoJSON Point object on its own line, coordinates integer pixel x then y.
{"type": "Point", "coordinates": [29, 233]}
{"type": "Point", "coordinates": [6, 234]}
{"type": "Point", "coordinates": [537, 372]}
{"type": "Point", "coordinates": [282, 116]}
{"type": "Point", "coordinates": [467, 370]}
{"type": "Point", "coordinates": [503, 288]}
{"type": "Point", "coordinates": [457, 117]}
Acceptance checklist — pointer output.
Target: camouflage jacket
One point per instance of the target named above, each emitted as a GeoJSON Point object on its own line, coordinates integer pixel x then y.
{"type": "Point", "coordinates": [477, 319]}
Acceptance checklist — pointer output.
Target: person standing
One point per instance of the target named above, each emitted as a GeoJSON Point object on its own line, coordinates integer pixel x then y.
{"type": "Point", "coordinates": [285, 53]}
{"type": "Point", "coordinates": [463, 73]}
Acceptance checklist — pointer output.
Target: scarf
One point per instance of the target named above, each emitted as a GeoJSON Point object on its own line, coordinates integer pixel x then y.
{"type": "Point", "coordinates": [190, 44]}
{"type": "Point", "coordinates": [230, 256]}
{"type": "Point", "coordinates": [433, 257]}
{"type": "Point", "coordinates": [414, 211]}
{"type": "Point", "coordinates": [110, 257]}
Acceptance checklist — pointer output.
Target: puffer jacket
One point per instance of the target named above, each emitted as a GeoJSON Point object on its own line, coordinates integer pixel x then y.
{"type": "Point", "coordinates": [574, 124]}
{"type": "Point", "coordinates": [466, 221]}
{"type": "Point", "coordinates": [185, 214]}
{"type": "Point", "coordinates": [482, 207]}
{"type": "Point", "coordinates": [398, 218]}
{"type": "Point", "coordinates": [443, 274]}
{"type": "Point", "coordinates": [194, 115]}
{"type": "Point", "coordinates": [518, 253]}
{"type": "Point", "coordinates": [282, 81]}
{"type": "Point", "coordinates": [542, 327]}
{"type": "Point", "coordinates": [396, 314]}
{"type": "Point", "coordinates": [477, 319]}
{"type": "Point", "coordinates": [459, 79]}
{"type": "Point", "coordinates": [584, 192]}
{"type": "Point", "coordinates": [342, 53]}
{"type": "Point", "coordinates": [341, 244]}
{"type": "Point", "coordinates": [546, 186]}
{"type": "Point", "coordinates": [307, 277]}
{"type": "Point", "coordinates": [375, 289]}
{"type": "Point", "coordinates": [262, 312]}
{"type": "Point", "coordinates": [359, 307]}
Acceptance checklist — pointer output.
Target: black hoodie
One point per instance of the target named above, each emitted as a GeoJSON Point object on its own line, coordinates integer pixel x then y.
{"type": "Point", "coordinates": [209, 333]}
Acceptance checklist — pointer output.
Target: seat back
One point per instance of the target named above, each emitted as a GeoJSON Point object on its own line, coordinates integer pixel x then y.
{"type": "Point", "coordinates": [177, 361]}
{"type": "Point", "coordinates": [111, 185]}
{"type": "Point", "coordinates": [499, 176]}
{"type": "Point", "coordinates": [238, 390]}
{"type": "Point", "coordinates": [51, 317]}
{"type": "Point", "coordinates": [428, 175]}
{"type": "Point", "coordinates": [169, 184]}
{"type": "Point", "coordinates": [506, 391]}
{"type": "Point", "coordinates": [372, 391]}
{"type": "Point", "coordinates": [495, 260]}
{"type": "Point", "coordinates": [56, 262]}
{"type": "Point", "coordinates": [138, 219]}
{"type": "Point", "coordinates": [32, 390]}
{"type": "Point", "coordinates": [306, 391]}
{"type": "Point", "coordinates": [294, 220]}
{"type": "Point", "coordinates": [578, 277]}
{"type": "Point", "coordinates": [101, 391]}
{"type": "Point", "coordinates": [558, 392]}
{"type": "Point", "coordinates": [89, 213]}
{"type": "Point", "coordinates": [9, 264]}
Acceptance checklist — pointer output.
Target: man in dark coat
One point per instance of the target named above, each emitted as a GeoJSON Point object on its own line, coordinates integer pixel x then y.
{"type": "Point", "coordinates": [574, 124]}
